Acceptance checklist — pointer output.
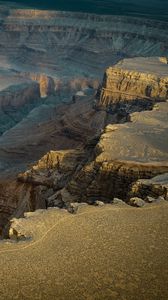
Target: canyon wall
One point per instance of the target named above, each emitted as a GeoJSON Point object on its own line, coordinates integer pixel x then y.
{"type": "Point", "coordinates": [108, 167]}
{"type": "Point", "coordinates": [65, 54]}
{"type": "Point", "coordinates": [107, 153]}
{"type": "Point", "coordinates": [19, 95]}
{"type": "Point", "coordinates": [140, 79]}
{"type": "Point", "coordinates": [17, 100]}
{"type": "Point", "coordinates": [47, 41]}
{"type": "Point", "coordinates": [46, 83]}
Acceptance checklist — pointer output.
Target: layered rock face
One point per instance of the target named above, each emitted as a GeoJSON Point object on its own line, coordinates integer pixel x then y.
{"type": "Point", "coordinates": [43, 50]}
{"type": "Point", "coordinates": [72, 126]}
{"type": "Point", "coordinates": [47, 47]}
{"type": "Point", "coordinates": [18, 96]}
{"type": "Point", "coordinates": [77, 148]}
{"type": "Point", "coordinates": [47, 84]}
{"type": "Point", "coordinates": [45, 41]}
{"type": "Point", "coordinates": [124, 154]}
{"type": "Point", "coordinates": [155, 187]}
{"type": "Point", "coordinates": [139, 79]}
{"type": "Point", "coordinates": [103, 160]}
{"type": "Point", "coordinates": [108, 168]}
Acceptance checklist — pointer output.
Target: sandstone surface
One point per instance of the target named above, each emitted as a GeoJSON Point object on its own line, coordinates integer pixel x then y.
{"type": "Point", "coordinates": [65, 143]}
{"type": "Point", "coordinates": [95, 155]}
{"type": "Point", "coordinates": [154, 187]}
{"type": "Point", "coordinates": [110, 252]}
{"type": "Point", "coordinates": [108, 168]}
{"type": "Point", "coordinates": [139, 79]}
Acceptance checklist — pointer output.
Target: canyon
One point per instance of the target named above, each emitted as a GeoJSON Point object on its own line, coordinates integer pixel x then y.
{"type": "Point", "coordinates": [83, 138]}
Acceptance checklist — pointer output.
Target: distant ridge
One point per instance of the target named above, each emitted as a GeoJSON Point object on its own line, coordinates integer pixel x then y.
{"type": "Point", "coordinates": [153, 9]}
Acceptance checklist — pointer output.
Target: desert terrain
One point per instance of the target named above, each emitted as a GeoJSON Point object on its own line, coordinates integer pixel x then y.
{"type": "Point", "coordinates": [83, 155]}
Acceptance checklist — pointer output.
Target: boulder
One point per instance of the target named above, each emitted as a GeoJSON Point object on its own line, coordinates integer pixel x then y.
{"type": "Point", "coordinates": [137, 202]}
{"type": "Point", "coordinates": [150, 199]}
{"type": "Point", "coordinates": [74, 207]}
{"type": "Point", "coordinates": [99, 203]}
{"type": "Point", "coordinates": [118, 201]}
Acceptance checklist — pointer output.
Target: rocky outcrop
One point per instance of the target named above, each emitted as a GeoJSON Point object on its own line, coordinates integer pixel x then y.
{"type": "Point", "coordinates": [14, 198]}
{"type": "Point", "coordinates": [65, 127]}
{"type": "Point", "coordinates": [23, 228]}
{"type": "Point", "coordinates": [92, 164]}
{"type": "Point", "coordinates": [93, 160]}
{"type": "Point", "coordinates": [47, 47]}
{"type": "Point", "coordinates": [46, 83]}
{"type": "Point", "coordinates": [74, 131]}
{"type": "Point", "coordinates": [151, 188]}
{"type": "Point", "coordinates": [138, 79]}
{"type": "Point", "coordinates": [54, 169]}
{"type": "Point", "coordinates": [18, 95]}
{"type": "Point", "coordinates": [164, 60]}
{"type": "Point", "coordinates": [17, 98]}
{"type": "Point", "coordinates": [124, 154]}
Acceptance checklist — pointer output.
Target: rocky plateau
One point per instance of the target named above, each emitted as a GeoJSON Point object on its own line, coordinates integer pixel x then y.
{"type": "Point", "coordinates": [83, 138]}
{"type": "Point", "coordinates": [96, 137]}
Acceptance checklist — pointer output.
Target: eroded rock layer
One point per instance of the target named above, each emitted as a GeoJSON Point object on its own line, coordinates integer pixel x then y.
{"type": "Point", "coordinates": [107, 168]}
{"type": "Point", "coordinates": [93, 158]}
{"type": "Point", "coordinates": [47, 47]}
{"type": "Point", "coordinates": [80, 150]}
{"type": "Point", "coordinates": [139, 79]}
{"type": "Point", "coordinates": [61, 56]}
{"type": "Point", "coordinates": [53, 42]}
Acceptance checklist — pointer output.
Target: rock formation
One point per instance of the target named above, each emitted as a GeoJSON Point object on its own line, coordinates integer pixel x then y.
{"type": "Point", "coordinates": [154, 187]}
{"type": "Point", "coordinates": [18, 96]}
{"type": "Point", "coordinates": [105, 156]}
{"type": "Point", "coordinates": [139, 79]}
{"type": "Point", "coordinates": [92, 154]}
{"type": "Point", "coordinates": [124, 153]}
{"type": "Point", "coordinates": [47, 46]}
{"type": "Point", "coordinates": [47, 84]}
{"type": "Point", "coordinates": [67, 141]}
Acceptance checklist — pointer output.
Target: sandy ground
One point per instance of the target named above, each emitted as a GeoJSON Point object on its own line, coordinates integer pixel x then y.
{"type": "Point", "coordinates": [112, 252]}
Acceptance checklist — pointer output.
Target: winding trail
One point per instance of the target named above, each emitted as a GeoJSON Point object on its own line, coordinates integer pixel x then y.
{"type": "Point", "coordinates": [30, 244]}
{"type": "Point", "coordinates": [111, 252]}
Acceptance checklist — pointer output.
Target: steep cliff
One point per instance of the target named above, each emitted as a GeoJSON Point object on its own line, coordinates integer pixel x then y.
{"type": "Point", "coordinates": [96, 155]}
{"type": "Point", "coordinates": [47, 47]}
{"type": "Point", "coordinates": [71, 128]}
{"type": "Point", "coordinates": [46, 83]}
{"type": "Point", "coordinates": [154, 187]}
{"type": "Point", "coordinates": [138, 79]}
{"type": "Point", "coordinates": [124, 154]}
{"type": "Point", "coordinates": [77, 148]}
{"type": "Point", "coordinates": [18, 96]}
